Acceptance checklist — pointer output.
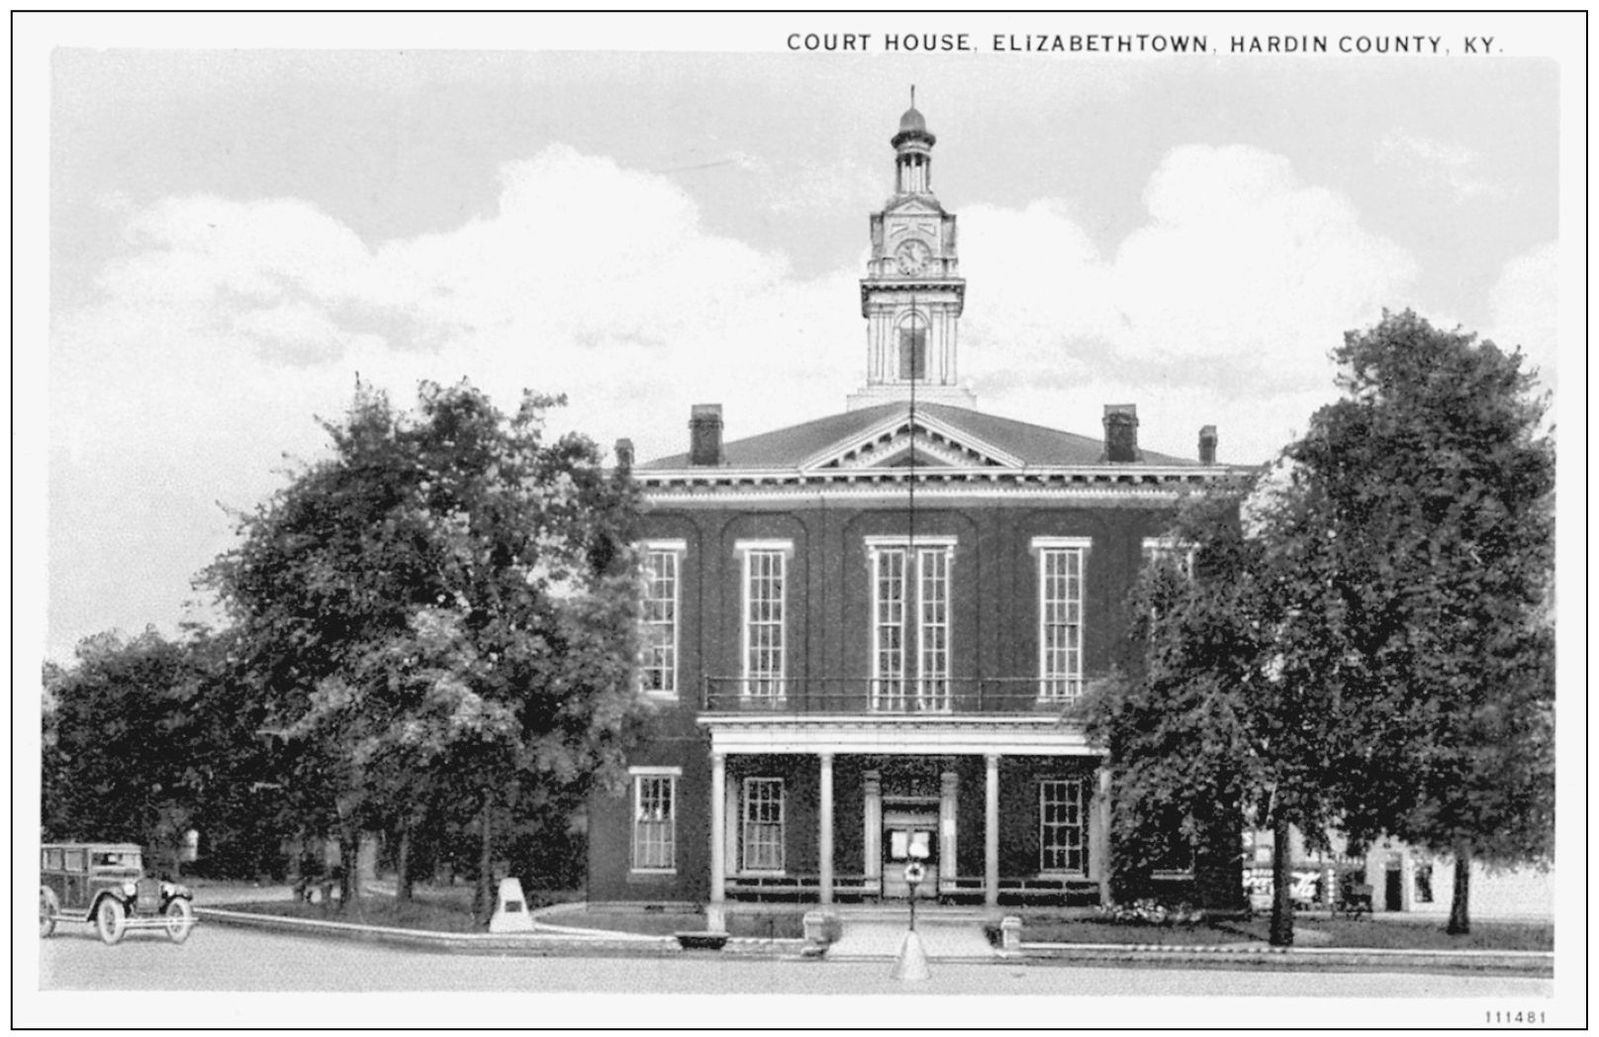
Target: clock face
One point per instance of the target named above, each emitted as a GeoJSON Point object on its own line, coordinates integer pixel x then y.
{"type": "Point", "coordinates": [913, 257]}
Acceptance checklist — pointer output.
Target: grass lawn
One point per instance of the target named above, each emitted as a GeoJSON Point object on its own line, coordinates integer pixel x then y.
{"type": "Point", "coordinates": [1309, 931]}
{"type": "Point", "coordinates": [374, 910]}
{"type": "Point", "coordinates": [438, 909]}
{"type": "Point", "coordinates": [448, 909]}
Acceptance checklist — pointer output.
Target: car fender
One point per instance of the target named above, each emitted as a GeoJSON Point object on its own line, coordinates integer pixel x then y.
{"type": "Point", "coordinates": [50, 898]}
{"type": "Point", "coordinates": [102, 897]}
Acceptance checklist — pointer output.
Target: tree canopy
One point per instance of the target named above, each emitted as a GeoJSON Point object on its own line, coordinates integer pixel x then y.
{"type": "Point", "coordinates": [1430, 496]}
{"type": "Point", "coordinates": [441, 610]}
{"type": "Point", "coordinates": [1367, 640]}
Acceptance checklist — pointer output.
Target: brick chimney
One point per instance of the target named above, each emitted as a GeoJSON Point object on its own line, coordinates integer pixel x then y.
{"type": "Point", "coordinates": [1207, 445]}
{"type": "Point", "coordinates": [1121, 433]}
{"type": "Point", "coordinates": [624, 456]}
{"type": "Point", "coordinates": [705, 434]}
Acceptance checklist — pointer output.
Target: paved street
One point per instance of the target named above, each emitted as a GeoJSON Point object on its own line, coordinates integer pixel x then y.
{"type": "Point", "coordinates": [220, 959]}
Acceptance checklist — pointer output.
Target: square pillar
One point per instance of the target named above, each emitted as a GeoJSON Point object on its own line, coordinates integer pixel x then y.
{"type": "Point", "coordinates": [825, 835]}
{"type": "Point", "coordinates": [718, 827]}
{"type": "Point", "coordinates": [1100, 848]}
{"type": "Point", "coordinates": [991, 830]}
{"type": "Point", "coordinates": [949, 791]}
{"type": "Point", "coordinates": [872, 796]}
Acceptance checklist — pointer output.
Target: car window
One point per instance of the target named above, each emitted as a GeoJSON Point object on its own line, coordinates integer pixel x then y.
{"type": "Point", "coordinates": [108, 859]}
{"type": "Point", "coordinates": [74, 860]}
{"type": "Point", "coordinates": [52, 859]}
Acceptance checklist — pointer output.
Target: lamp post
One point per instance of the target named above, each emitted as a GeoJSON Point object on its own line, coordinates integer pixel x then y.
{"type": "Point", "coordinates": [911, 965]}
{"type": "Point", "coordinates": [915, 872]}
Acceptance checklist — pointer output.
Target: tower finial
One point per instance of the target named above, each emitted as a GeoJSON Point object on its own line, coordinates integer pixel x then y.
{"type": "Point", "coordinates": [913, 95]}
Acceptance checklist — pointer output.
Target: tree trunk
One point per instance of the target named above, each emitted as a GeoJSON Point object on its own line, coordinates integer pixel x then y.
{"type": "Point", "coordinates": [350, 869]}
{"type": "Point", "coordinates": [1282, 891]}
{"type": "Point", "coordinates": [483, 900]}
{"type": "Point", "coordinates": [1459, 903]}
{"type": "Point", "coordinates": [402, 865]}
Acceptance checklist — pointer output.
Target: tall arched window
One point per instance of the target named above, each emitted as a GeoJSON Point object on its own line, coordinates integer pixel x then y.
{"type": "Point", "coordinates": [913, 349]}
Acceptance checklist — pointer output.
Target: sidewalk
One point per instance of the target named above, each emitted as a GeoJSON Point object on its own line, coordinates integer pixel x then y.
{"type": "Point", "coordinates": [873, 936]}
{"type": "Point", "coordinates": [881, 939]}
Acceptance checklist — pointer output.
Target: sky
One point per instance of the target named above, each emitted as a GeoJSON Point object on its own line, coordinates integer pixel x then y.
{"type": "Point", "coordinates": [240, 225]}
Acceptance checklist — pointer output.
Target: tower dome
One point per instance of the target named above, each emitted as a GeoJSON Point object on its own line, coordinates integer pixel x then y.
{"type": "Point", "coordinates": [912, 126]}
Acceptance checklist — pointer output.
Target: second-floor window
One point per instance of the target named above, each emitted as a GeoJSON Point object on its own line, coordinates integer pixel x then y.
{"type": "Point", "coordinates": [765, 571]}
{"type": "Point", "coordinates": [658, 617]}
{"type": "Point", "coordinates": [910, 624]}
{"type": "Point", "coordinates": [1061, 562]}
{"type": "Point", "coordinates": [1156, 550]}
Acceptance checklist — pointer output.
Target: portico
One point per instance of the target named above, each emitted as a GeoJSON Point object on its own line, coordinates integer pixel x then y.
{"type": "Point", "coordinates": [904, 782]}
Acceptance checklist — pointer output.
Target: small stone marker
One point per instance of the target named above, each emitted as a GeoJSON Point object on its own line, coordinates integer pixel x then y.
{"type": "Point", "coordinates": [510, 909]}
{"type": "Point", "coordinates": [911, 965]}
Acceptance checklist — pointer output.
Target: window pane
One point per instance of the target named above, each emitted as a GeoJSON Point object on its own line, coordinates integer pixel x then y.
{"type": "Point", "coordinates": [933, 631]}
{"type": "Point", "coordinates": [763, 625]}
{"type": "Point", "coordinates": [654, 829]}
{"type": "Point", "coordinates": [1061, 818]}
{"type": "Point", "coordinates": [888, 611]}
{"type": "Point", "coordinates": [1060, 623]}
{"type": "Point", "coordinates": [658, 638]}
{"type": "Point", "coordinates": [763, 824]}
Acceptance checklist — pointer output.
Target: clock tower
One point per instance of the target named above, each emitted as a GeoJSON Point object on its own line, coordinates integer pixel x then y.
{"type": "Point", "coordinates": [912, 294]}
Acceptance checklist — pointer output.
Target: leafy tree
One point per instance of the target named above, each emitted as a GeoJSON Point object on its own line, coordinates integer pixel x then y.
{"type": "Point", "coordinates": [117, 728]}
{"type": "Point", "coordinates": [1214, 718]}
{"type": "Point", "coordinates": [1427, 503]}
{"type": "Point", "coordinates": [438, 620]}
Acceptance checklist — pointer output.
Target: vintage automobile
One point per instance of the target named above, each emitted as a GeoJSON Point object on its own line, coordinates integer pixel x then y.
{"type": "Point", "coordinates": [106, 885]}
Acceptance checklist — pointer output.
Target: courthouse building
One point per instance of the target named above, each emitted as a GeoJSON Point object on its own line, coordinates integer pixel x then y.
{"type": "Point", "coordinates": [862, 633]}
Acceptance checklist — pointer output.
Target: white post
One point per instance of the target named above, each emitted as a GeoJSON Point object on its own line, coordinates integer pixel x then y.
{"type": "Point", "coordinates": [991, 831]}
{"type": "Point", "coordinates": [825, 835]}
{"type": "Point", "coordinates": [718, 827]}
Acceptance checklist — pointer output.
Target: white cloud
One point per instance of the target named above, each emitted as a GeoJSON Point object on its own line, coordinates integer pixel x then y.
{"type": "Point", "coordinates": [1437, 165]}
{"type": "Point", "coordinates": [1523, 310]}
{"type": "Point", "coordinates": [1227, 301]}
{"type": "Point", "coordinates": [224, 325]}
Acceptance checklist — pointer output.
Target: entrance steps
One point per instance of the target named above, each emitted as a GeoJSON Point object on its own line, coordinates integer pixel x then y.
{"type": "Point", "coordinates": [876, 932]}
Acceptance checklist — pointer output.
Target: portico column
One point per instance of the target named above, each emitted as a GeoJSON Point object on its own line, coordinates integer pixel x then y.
{"type": "Point", "coordinates": [1102, 848]}
{"type": "Point", "coordinates": [991, 830]}
{"type": "Point", "coordinates": [872, 830]}
{"type": "Point", "coordinates": [825, 835]}
{"type": "Point", "coordinates": [718, 827]}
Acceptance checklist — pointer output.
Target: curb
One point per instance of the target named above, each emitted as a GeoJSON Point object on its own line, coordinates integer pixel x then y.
{"type": "Point", "coordinates": [603, 943]}
{"type": "Point", "coordinates": [1517, 963]}
{"type": "Point", "coordinates": [574, 943]}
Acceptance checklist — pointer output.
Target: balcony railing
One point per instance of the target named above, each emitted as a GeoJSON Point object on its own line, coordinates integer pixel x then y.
{"type": "Point", "coordinates": [888, 696]}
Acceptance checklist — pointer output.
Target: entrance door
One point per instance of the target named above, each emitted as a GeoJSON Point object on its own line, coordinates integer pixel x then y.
{"type": "Point", "coordinates": [1394, 895]}
{"type": "Point", "coordinates": [910, 834]}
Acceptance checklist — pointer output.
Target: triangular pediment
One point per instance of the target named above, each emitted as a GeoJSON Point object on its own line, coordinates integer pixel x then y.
{"type": "Point", "coordinates": [913, 205]}
{"type": "Point", "coordinates": [888, 443]}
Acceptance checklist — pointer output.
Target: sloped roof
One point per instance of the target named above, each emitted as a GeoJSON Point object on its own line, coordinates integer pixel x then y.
{"type": "Point", "coordinates": [1032, 445]}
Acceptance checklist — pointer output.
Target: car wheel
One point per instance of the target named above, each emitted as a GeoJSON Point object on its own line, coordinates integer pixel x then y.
{"type": "Point", "coordinates": [180, 920]}
{"type": "Point", "coordinates": [111, 921]}
{"type": "Point", "coordinates": [47, 914]}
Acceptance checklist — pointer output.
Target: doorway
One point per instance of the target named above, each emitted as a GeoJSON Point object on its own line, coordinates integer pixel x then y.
{"type": "Point", "coordinates": [910, 833]}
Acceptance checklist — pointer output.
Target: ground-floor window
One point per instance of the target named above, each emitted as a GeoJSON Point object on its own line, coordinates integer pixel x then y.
{"type": "Point", "coordinates": [654, 819]}
{"type": "Point", "coordinates": [1424, 883]}
{"type": "Point", "coordinates": [1061, 824]}
{"type": "Point", "coordinates": [763, 824]}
